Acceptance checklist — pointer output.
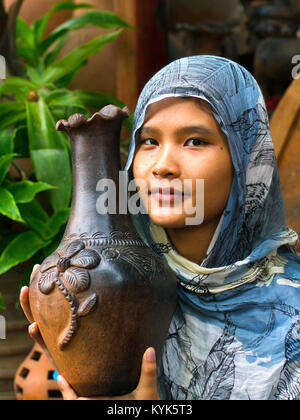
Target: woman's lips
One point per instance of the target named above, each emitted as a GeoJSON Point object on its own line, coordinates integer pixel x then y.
{"type": "Point", "coordinates": [168, 196]}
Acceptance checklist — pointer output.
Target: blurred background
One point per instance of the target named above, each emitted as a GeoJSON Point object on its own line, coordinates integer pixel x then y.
{"type": "Point", "coordinates": [262, 35]}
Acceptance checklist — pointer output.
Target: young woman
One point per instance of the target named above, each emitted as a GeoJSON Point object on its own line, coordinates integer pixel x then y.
{"type": "Point", "coordinates": [235, 333]}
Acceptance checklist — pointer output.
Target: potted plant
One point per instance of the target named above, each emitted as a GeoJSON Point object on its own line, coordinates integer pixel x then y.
{"type": "Point", "coordinates": [30, 106]}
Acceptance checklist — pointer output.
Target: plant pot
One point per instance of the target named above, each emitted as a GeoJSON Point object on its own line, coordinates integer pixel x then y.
{"type": "Point", "coordinates": [104, 296]}
{"type": "Point", "coordinates": [34, 378]}
{"type": "Point", "coordinates": [17, 343]}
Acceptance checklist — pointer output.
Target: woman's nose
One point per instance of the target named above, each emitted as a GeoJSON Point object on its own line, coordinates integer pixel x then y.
{"type": "Point", "coordinates": [166, 165]}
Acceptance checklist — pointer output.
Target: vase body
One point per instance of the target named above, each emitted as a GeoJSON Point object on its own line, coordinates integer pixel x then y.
{"type": "Point", "coordinates": [104, 296]}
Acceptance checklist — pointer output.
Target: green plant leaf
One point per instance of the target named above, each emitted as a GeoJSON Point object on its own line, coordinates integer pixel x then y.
{"type": "Point", "coordinates": [6, 151]}
{"type": "Point", "coordinates": [25, 191]}
{"type": "Point", "coordinates": [8, 206]}
{"type": "Point", "coordinates": [107, 20]}
{"type": "Point", "coordinates": [57, 221]}
{"type": "Point", "coordinates": [65, 81]}
{"type": "Point", "coordinates": [33, 75]}
{"type": "Point", "coordinates": [2, 305]}
{"type": "Point", "coordinates": [19, 87]}
{"type": "Point", "coordinates": [63, 98]}
{"type": "Point", "coordinates": [24, 34]}
{"type": "Point", "coordinates": [15, 118]}
{"type": "Point", "coordinates": [25, 41]}
{"type": "Point", "coordinates": [52, 55]}
{"type": "Point", "coordinates": [5, 162]}
{"type": "Point", "coordinates": [41, 127]}
{"type": "Point", "coordinates": [6, 238]}
{"type": "Point", "coordinates": [76, 57]}
{"type": "Point", "coordinates": [36, 218]}
{"type": "Point", "coordinates": [96, 100]}
{"type": "Point", "coordinates": [49, 153]}
{"type": "Point", "coordinates": [103, 19]}
{"type": "Point", "coordinates": [55, 242]}
{"type": "Point", "coordinates": [40, 25]}
{"type": "Point", "coordinates": [11, 113]}
{"type": "Point", "coordinates": [51, 165]}
{"type": "Point", "coordinates": [21, 141]}
{"type": "Point", "coordinates": [21, 249]}
{"type": "Point", "coordinates": [69, 5]}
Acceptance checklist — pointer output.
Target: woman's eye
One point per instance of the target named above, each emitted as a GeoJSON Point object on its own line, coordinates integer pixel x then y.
{"type": "Point", "coordinates": [196, 142]}
{"type": "Point", "coordinates": [148, 142]}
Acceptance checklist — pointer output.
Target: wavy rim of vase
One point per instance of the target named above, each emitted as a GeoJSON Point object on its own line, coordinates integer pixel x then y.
{"type": "Point", "coordinates": [109, 112]}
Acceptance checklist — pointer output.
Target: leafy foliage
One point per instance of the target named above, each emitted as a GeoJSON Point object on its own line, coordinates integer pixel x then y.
{"type": "Point", "coordinates": [29, 108]}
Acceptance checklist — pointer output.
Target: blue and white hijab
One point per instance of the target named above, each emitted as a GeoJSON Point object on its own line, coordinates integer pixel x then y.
{"type": "Point", "coordinates": [236, 330]}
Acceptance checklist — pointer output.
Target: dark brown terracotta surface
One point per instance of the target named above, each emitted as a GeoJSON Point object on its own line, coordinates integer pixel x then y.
{"type": "Point", "coordinates": [104, 296]}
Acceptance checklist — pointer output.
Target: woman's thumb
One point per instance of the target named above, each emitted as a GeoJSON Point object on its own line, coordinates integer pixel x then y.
{"type": "Point", "coordinates": [147, 387]}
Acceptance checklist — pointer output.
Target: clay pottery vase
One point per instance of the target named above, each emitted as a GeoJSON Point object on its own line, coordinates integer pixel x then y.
{"type": "Point", "coordinates": [104, 296]}
{"type": "Point", "coordinates": [34, 378]}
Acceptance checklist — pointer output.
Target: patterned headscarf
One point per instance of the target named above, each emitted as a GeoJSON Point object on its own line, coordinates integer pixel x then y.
{"type": "Point", "coordinates": [228, 306]}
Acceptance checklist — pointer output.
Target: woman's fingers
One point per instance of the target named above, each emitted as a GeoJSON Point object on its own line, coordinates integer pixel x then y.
{"type": "Point", "coordinates": [147, 387]}
{"type": "Point", "coordinates": [24, 297]}
{"type": "Point", "coordinates": [35, 334]}
{"type": "Point", "coordinates": [67, 391]}
{"type": "Point", "coordinates": [24, 301]}
{"type": "Point", "coordinates": [34, 270]}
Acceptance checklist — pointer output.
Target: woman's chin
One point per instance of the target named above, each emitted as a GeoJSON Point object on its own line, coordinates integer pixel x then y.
{"type": "Point", "coordinates": [168, 221]}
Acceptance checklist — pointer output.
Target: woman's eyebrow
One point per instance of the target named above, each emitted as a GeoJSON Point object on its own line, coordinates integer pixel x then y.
{"type": "Point", "coordinates": [200, 129]}
{"type": "Point", "coordinates": [148, 130]}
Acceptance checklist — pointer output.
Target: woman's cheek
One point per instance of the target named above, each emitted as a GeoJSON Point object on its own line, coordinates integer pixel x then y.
{"type": "Point", "coordinates": [140, 173]}
{"type": "Point", "coordinates": [217, 187]}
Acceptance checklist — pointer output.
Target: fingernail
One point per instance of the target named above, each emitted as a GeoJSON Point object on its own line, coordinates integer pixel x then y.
{"type": "Point", "coordinates": [60, 381]}
{"type": "Point", "coordinates": [23, 289]}
{"type": "Point", "coordinates": [150, 355]}
{"type": "Point", "coordinates": [35, 267]}
{"type": "Point", "coordinates": [32, 327]}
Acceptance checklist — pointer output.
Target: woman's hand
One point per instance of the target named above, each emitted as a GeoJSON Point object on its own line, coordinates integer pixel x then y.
{"type": "Point", "coordinates": [146, 389]}
{"type": "Point", "coordinates": [24, 301]}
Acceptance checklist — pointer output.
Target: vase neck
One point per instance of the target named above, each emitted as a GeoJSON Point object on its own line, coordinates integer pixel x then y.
{"type": "Point", "coordinates": [96, 162]}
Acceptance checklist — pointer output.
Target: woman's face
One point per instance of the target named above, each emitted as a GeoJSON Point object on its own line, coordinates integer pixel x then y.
{"type": "Point", "coordinates": [181, 140]}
